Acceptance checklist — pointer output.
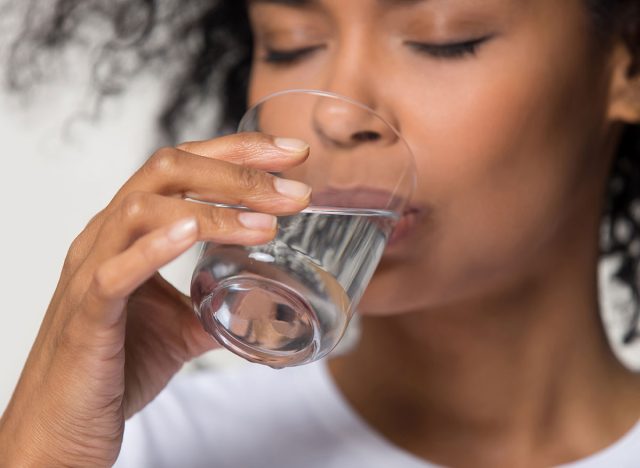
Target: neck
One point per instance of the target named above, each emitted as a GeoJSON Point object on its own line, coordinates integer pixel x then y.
{"type": "Point", "coordinates": [524, 374]}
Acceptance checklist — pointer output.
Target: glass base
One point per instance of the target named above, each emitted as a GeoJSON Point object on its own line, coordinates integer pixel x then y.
{"type": "Point", "coordinates": [261, 320]}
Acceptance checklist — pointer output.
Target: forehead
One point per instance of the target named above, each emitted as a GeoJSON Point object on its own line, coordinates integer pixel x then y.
{"type": "Point", "coordinates": [474, 10]}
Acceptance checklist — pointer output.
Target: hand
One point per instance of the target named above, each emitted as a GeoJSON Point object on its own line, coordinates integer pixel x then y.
{"type": "Point", "coordinates": [115, 331]}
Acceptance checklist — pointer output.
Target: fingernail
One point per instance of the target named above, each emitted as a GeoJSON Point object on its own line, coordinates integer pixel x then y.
{"type": "Point", "coordinates": [292, 189]}
{"type": "Point", "coordinates": [291, 144]}
{"type": "Point", "coordinates": [183, 230]}
{"type": "Point", "coordinates": [258, 221]}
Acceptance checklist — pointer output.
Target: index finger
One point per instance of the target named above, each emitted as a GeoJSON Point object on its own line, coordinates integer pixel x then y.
{"type": "Point", "coordinates": [258, 150]}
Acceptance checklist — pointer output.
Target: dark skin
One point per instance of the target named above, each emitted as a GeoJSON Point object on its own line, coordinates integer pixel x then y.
{"type": "Point", "coordinates": [481, 326]}
{"type": "Point", "coordinates": [98, 357]}
{"type": "Point", "coordinates": [482, 329]}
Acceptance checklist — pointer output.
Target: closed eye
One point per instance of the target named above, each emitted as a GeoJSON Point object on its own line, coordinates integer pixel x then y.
{"type": "Point", "coordinates": [284, 57]}
{"type": "Point", "coordinates": [455, 50]}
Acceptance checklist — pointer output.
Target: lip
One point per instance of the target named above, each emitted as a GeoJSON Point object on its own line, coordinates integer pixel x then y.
{"type": "Point", "coordinates": [404, 226]}
{"type": "Point", "coordinates": [374, 199]}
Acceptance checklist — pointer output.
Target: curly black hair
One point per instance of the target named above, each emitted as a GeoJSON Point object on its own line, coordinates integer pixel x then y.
{"type": "Point", "coordinates": [203, 47]}
{"type": "Point", "coordinates": [206, 46]}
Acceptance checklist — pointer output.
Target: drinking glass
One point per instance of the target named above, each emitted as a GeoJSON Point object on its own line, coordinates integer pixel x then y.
{"type": "Point", "coordinates": [289, 302]}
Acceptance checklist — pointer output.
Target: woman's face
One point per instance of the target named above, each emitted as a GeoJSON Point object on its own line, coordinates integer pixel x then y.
{"type": "Point", "coordinates": [504, 104]}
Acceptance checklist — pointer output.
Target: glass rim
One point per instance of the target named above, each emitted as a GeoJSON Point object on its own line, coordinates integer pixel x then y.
{"type": "Point", "coordinates": [410, 164]}
{"type": "Point", "coordinates": [319, 92]}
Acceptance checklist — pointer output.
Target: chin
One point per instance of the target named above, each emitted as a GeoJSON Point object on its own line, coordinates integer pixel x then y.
{"type": "Point", "coordinates": [391, 293]}
{"type": "Point", "coordinates": [403, 287]}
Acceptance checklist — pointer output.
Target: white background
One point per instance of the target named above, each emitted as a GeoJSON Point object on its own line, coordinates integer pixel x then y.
{"type": "Point", "coordinates": [58, 169]}
{"type": "Point", "coordinates": [52, 184]}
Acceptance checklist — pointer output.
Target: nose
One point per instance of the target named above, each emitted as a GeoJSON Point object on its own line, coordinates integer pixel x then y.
{"type": "Point", "coordinates": [345, 125]}
{"type": "Point", "coordinates": [351, 72]}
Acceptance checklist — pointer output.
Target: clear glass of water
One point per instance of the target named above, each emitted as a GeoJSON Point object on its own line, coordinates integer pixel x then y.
{"type": "Point", "coordinates": [289, 302]}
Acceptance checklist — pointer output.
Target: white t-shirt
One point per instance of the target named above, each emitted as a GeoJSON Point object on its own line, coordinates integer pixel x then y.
{"type": "Point", "coordinates": [257, 417]}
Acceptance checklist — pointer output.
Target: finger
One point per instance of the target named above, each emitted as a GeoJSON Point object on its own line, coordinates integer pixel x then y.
{"type": "Point", "coordinates": [176, 173]}
{"type": "Point", "coordinates": [257, 150]}
{"type": "Point", "coordinates": [122, 274]}
{"type": "Point", "coordinates": [142, 213]}
{"type": "Point", "coordinates": [186, 173]}
{"type": "Point", "coordinates": [160, 174]}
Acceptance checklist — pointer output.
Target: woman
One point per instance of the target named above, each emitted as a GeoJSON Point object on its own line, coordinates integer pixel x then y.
{"type": "Point", "coordinates": [481, 347]}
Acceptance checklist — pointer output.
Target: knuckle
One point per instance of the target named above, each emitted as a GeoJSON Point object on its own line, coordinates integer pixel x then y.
{"type": "Point", "coordinates": [163, 161]}
{"type": "Point", "coordinates": [102, 284]}
{"type": "Point", "coordinates": [133, 205]}
{"type": "Point", "coordinates": [218, 219]}
{"type": "Point", "coordinates": [251, 180]}
{"type": "Point", "coordinates": [76, 253]}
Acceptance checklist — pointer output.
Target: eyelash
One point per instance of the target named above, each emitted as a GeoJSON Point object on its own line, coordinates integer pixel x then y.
{"type": "Point", "coordinates": [453, 51]}
{"type": "Point", "coordinates": [285, 57]}
{"type": "Point", "coordinates": [457, 50]}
